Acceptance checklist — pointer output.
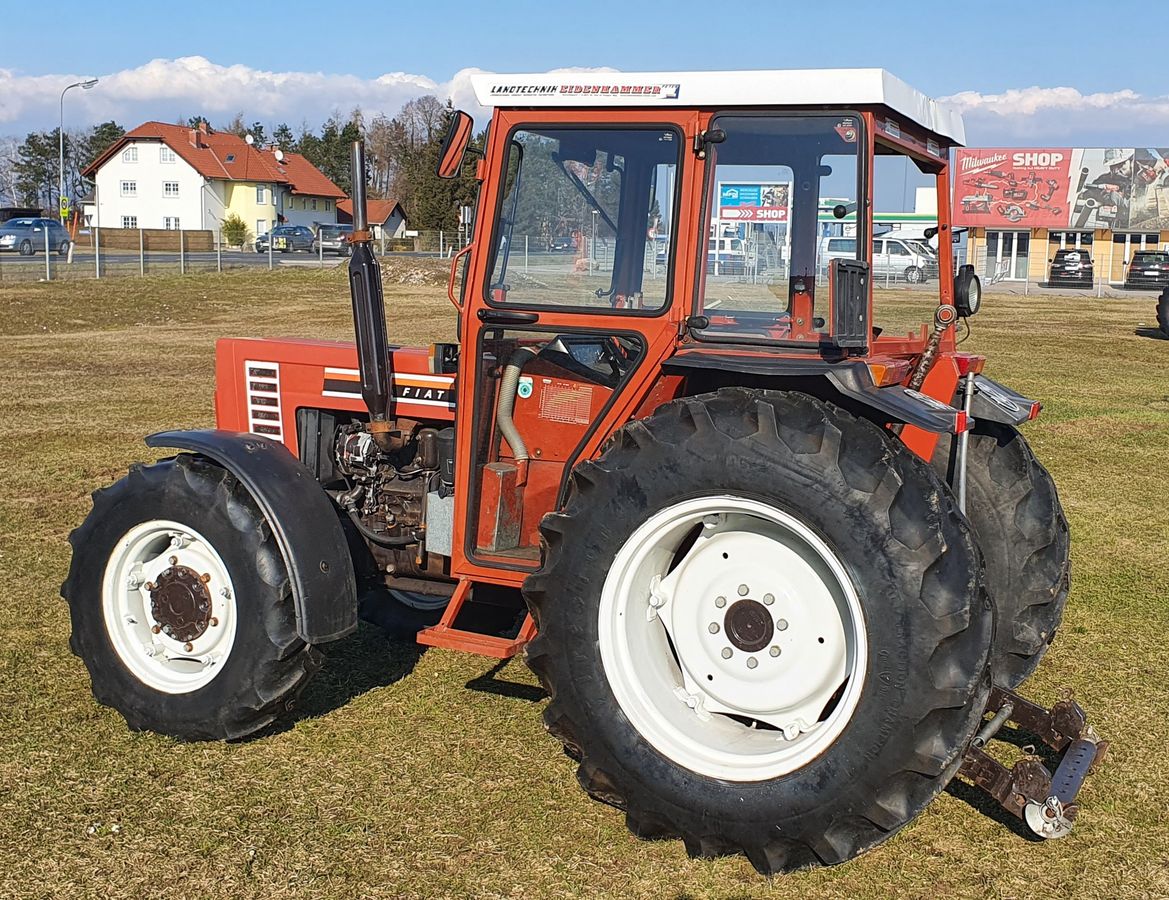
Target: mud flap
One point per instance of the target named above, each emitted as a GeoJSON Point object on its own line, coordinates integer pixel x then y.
{"type": "Point", "coordinates": [1045, 801]}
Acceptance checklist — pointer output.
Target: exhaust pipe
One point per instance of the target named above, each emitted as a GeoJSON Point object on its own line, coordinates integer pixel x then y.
{"type": "Point", "coordinates": [369, 311]}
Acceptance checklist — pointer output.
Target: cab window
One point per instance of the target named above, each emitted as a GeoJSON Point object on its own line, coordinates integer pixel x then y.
{"type": "Point", "coordinates": [585, 217]}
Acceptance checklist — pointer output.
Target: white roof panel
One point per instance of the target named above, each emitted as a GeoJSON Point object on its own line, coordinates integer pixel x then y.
{"type": "Point", "coordinates": [774, 87]}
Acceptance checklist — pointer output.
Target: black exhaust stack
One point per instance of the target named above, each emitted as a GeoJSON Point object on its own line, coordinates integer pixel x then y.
{"type": "Point", "coordinates": [369, 311]}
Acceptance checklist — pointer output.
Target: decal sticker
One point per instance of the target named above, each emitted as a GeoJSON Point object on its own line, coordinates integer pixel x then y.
{"type": "Point", "coordinates": [406, 387]}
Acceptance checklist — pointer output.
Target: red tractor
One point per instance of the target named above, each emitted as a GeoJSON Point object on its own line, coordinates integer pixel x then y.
{"type": "Point", "coordinates": [773, 545]}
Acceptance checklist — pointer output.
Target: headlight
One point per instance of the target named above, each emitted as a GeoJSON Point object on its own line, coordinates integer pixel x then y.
{"type": "Point", "coordinates": [967, 292]}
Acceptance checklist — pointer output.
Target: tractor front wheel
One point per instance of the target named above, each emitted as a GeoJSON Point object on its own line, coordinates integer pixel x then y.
{"type": "Point", "coordinates": [181, 605]}
{"type": "Point", "coordinates": [763, 629]}
{"type": "Point", "coordinates": [1023, 534]}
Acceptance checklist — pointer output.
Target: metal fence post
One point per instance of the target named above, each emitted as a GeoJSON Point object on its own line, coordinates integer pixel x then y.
{"type": "Point", "coordinates": [48, 271]}
{"type": "Point", "coordinates": [440, 250]}
{"type": "Point", "coordinates": [96, 251]}
{"type": "Point", "coordinates": [320, 251]}
{"type": "Point", "coordinates": [271, 241]}
{"type": "Point", "coordinates": [219, 250]}
{"type": "Point", "coordinates": [182, 261]}
{"type": "Point", "coordinates": [141, 251]}
{"type": "Point", "coordinates": [525, 254]}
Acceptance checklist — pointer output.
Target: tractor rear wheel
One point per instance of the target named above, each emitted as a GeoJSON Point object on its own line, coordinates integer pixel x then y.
{"type": "Point", "coordinates": [181, 604]}
{"type": "Point", "coordinates": [1013, 505]}
{"type": "Point", "coordinates": [763, 629]}
{"type": "Point", "coordinates": [1163, 312]}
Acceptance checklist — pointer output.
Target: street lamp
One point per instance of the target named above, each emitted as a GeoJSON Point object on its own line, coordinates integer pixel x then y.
{"type": "Point", "coordinates": [85, 86]}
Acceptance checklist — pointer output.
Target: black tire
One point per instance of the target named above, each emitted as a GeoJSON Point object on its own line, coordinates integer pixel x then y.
{"type": "Point", "coordinates": [63, 249]}
{"type": "Point", "coordinates": [913, 560]}
{"type": "Point", "coordinates": [1163, 312]}
{"type": "Point", "coordinates": [914, 275]}
{"type": "Point", "coordinates": [1013, 504]}
{"type": "Point", "coordinates": [268, 665]}
{"type": "Point", "coordinates": [26, 248]}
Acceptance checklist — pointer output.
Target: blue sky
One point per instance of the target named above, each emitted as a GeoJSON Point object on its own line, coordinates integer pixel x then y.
{"type": "Point", "coordinates": [1024, 73]}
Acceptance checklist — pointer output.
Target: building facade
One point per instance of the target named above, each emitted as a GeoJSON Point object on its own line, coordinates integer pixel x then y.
{"type": "Point", "coordinates": [174, 177]}
{"type": "Point", "coordinates": [1023, 204]}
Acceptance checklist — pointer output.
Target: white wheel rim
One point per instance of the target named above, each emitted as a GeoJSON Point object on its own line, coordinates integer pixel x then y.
{"type": "Point", "coordinates": [153, 656]}
{"type": "Point", "coordinates": [718, 715]}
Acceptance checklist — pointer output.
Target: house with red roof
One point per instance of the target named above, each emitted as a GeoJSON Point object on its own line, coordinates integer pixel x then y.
{"type": "Point", "coordinates": [386, 217]}
{"type": "Point", "coordinates": [172, 176]}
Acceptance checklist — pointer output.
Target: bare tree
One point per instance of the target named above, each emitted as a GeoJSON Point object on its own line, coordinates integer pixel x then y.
{"type": "Point", "coordinates": [8, 177]}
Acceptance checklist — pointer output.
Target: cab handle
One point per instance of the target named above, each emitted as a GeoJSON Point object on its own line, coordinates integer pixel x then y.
{"type": "Point", "coordinates": [450, 285]}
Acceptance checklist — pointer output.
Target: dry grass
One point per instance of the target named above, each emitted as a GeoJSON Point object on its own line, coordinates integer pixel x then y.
{"type": "Point", "coordinates": [403, 776]}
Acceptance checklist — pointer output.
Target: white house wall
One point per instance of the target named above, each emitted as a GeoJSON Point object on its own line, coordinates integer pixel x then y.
{"type": "Point", "coordinates": [149, 205]}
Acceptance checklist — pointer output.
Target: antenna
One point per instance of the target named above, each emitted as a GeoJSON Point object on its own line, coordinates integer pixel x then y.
{"type": "Point", "coordinates": [251, 140]}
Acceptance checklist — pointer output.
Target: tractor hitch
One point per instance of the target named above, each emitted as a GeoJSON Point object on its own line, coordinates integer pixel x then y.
{"type": "Point", "coordinates": [1046, 802]}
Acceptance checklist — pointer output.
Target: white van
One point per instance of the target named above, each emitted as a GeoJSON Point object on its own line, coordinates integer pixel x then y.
{"type": "Point", "coordinates": [893, 257]}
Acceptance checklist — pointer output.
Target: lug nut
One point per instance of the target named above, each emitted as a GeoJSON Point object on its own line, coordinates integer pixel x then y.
{"type": "Point", "coordinates": [720, 602]}
{"type": "Point", "coordinates": [188, 647]}
{"type": "Point", "coordinates": [712, 628]}
{"type": "Point", "coordinates": [781, 624]}
{"type": "Point", "coordinates": [214, 621]}
{"type": "Point", "coordinates": [174, 560]}
{"type": "Point", "coordinates": [205, 577]}
{"type": "Point", "coordinates": [743, 589]}
{"type": "Point", "coordinates": [150, 585]}
{"type": "Point", "coordinates": [727, 652]}
{"type": "Point", "coordinates": [752, 662]}
{"type": "Point", "coordinates": [769, 599]}
{"type": "Point", "coordinates": [155, 629]}
{"type": "Point", "coordinates": [774, 651]}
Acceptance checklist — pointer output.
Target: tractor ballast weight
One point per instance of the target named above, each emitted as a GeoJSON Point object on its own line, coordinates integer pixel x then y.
{"type": "Point", "coordinates": [779, 561]}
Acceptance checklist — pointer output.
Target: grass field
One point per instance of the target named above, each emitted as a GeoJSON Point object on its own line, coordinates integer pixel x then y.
{"type": "Point", "coordinates": [416, 774]}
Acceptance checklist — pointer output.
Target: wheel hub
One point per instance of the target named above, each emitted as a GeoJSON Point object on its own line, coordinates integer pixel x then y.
{"type": "Point", "coordinates": [181, 604]}
{"type": "Point", "coordinates": [748, 625]}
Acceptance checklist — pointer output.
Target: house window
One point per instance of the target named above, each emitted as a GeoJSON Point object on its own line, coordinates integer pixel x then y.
{"type": "Point", "coordinates": [171, 223]}
{"type": "Point", "coordinates": [260, 194]}
{"type": "Point", "coordinates": [261, 227]}
{"type": "Point", "coordinates": [314, 203]}
{"type": "Point", "coordinates": [170, 189]}
{"type": "Point", "coordinates": [129, 221]}
{"type": "Point", "coordinates": [129, 188]}
{"type": "Point", "coordinates": [166, 154]}
{"type": "Point", "coordinates": [130, 155]}
{"type": "Point", "coordinates": [328, 206]}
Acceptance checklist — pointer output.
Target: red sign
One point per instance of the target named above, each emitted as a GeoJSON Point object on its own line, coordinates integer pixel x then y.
{"type": "Point", "coordinates": [1011, 188]}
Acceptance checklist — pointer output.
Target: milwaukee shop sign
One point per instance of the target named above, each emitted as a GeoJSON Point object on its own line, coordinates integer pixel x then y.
{"type": "Point", "coordinates": [767, 202]}
{"type": "Point", "coordinates": [1013, 188]}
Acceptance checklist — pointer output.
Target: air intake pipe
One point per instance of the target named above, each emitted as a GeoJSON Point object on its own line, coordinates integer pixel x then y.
{"type": "Point", "coordinates": [508, 386]}
{"type": "Point", "coordinates": [369, 311]}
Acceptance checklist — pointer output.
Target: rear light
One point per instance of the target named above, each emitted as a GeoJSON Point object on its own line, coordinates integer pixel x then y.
{"type": "Point", "coordinates": [887, 372]}
{"type": "Point", "coordinates": [968, 363]}
{"type": "Point", "coordinates": [1033, 412]}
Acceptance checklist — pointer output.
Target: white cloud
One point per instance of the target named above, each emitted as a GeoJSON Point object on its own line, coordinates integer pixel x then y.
{"type": "Point", "coordinates": [1056, 115]}
{"type": "Point", "coordinates": [165, 89]}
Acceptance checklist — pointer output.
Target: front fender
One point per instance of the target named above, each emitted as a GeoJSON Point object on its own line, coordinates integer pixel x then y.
{"type": "Point", "coordinates": [300, 514]}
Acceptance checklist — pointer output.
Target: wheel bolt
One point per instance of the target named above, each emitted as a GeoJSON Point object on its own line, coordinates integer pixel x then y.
{"type": "Point", "coordinates": [743, 589]}
{"type": "Point", "coordinates": [781, 624]}
{"type": "Point", "coordinates": [174, 560]}
{"type": "Point", "coordinates": [720, 602]}
{"type": "Point", "coordinates": [188, 647]}
{"type": "Point", "coordinates": [155, 629]}
{"type": "Point", "coordinates": [769, 599]}
{"type": "Point", "coordinates": [752, 662]}
{"type": "Point", "coordinates": [205, 577]}
{"type": "Point", "coordinates": [774, 651]}
{"type": "Point", "coordinates": [713, 628]}
{"type": "Point", "coordinates": [150, 585]}
{"type": "Point", "coordinates": [727, 652]}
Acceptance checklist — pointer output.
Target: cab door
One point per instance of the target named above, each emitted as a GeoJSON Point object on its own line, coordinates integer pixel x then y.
{"type": "Point", "coordinates": [560, 346]}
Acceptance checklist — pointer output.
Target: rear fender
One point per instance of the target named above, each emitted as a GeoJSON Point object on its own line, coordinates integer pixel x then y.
{"type": "Point", "coordinates": [302, 517]}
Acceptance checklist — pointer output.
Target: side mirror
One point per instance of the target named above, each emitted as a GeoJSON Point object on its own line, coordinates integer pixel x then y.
{"type": "Point", "coordinates": [967, 292]}
{"type": "Point", "coordinates": [454, 147]}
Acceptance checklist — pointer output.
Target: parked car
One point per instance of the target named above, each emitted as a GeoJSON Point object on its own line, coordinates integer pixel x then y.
{"type": "Point", "coordinates": [898, 258]}
{"type": "Point", "coordinates": [285, 238]}
{"type": "Point", "coordinates": [26, 236]}
{"type": "Point", "coordinates": [560, 244]}
{"type": "Point", "coordinates": [1148, 269]}
{"type": "Point", "coordinates": [1071, 268]}
{"type": "Point", "coordinates": [333, 239]}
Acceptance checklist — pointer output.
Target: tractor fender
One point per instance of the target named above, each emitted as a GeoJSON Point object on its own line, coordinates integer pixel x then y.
{"type": "Point", "coordinates": [300, 514]}
{"type": "Point", "coordinates": [999, 403]}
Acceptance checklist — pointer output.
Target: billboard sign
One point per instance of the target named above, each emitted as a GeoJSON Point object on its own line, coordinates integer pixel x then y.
{"type": "Point", "coordinates": [1063, 187]}
{"type": "Point", "coordinates": [754, 202]}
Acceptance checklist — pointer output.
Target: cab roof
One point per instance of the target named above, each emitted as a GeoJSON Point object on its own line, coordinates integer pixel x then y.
{"type": "Point", "coordinates": [770, 88]}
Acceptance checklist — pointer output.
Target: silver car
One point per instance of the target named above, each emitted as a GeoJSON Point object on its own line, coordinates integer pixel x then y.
{"type": "Point", "coordinates": [334, 239]}
{"type": "Point", "coordinates": [26, 236]}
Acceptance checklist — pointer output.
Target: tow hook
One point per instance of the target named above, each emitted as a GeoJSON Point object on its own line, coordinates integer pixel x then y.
{"type": "Point", "coordinates": [1046, 802]}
